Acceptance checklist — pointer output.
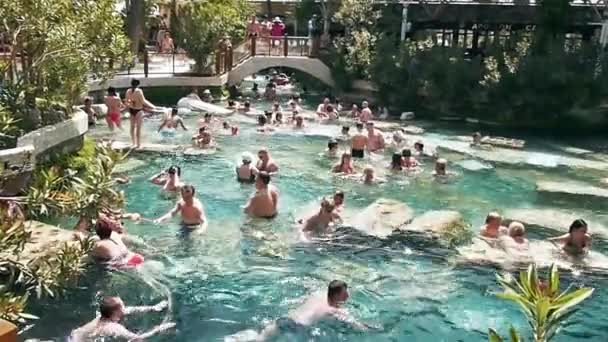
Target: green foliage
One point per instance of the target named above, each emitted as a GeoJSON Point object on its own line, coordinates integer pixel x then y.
{"type": "Point", "coordinates": [81, 193]}
{"type": "Point", "coordinates": [61, 43]}
{"type": "Point", "coordinates": [358, 44]}
{"type": "Point", "coordinates": [545, 307]}
{"type": "Point", "coordinates": [49, 274]}
{"type": "Point", "coordinates": [204, 23]}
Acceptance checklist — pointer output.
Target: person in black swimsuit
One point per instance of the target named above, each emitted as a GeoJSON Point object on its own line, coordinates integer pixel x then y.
{"type": "Point", "coordinates": [246, 172]}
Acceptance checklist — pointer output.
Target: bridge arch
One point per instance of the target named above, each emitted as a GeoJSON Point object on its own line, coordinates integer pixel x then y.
{"type": "Point", "coordinates": [312, 66]}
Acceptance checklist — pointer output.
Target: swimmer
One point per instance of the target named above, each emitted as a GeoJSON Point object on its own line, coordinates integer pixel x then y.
{"type": "Point", "coordinates": [358, 142]}
{"type": "Point", "coordinates": [110, 248]}
{"type": "Point", "coordinates": [419, 148]}
{"type": "Point", "coordinates": [369, 176]}
{"type": "Point", "coordinates": [87, 108]}
{"type": "Point", "coordinates": [320, 222]}
{"type": "Point", "coordinates": [338, 199]}
{"type": "Point", "coordinates": [294, 107]}
{"type": "Point", "coordinates": [493, 228]}
{"type": "Point", "coordinates": [246, 108]}
{"type": "Point", "coordinates": [232, 105]}
{"type": "Point", "coordinates": [517, 232]}
{"type": "Point", "coordinates": [345, 133]}
{"type": "Point", "coordinates": [366, 113]}
{"type": "Point", "coordinates": [440, 168]}
{"type": "Point", "coordinates": [265, 163]}
{"type": "Point", "coordinates": [332, 114]}
{"type": "Point", "coordinates": [115, 106]}
{"type": "Point", "coordinates": [263, 202]}
{"type": "Point", "coordinates": [409, 162]}
{"type": "Point", "coordinates": [375, 139]}
{"type": "Point", "coordinates": [399, 140]}
{"type": "Point", "coordinates": [276, 108]}
{"type": "Point", "coordinates": [173, 121]}
{"type": "Point", "coordinates": [345, 166]}
{"type": "Point", "coordinates": [278, 118]}
{"type": "Point", "coordinates": [577, 241]}
{"type": "Point", "coordinates": [476, 139]}
{"type": "Point", "coordinates": [107, 324]}
{"type": "Point", "coordinates": [203, 139]}
{"type": "Point", "coordinates": [169, 179]}
{"type": "Point", "coordinates": [245, 173]}
{"type": "Point", "coordinates": [332, 149]}
{"type": "Point", "coordinates": [396, 162]}
{"type": "Point", "coordinates": [225, 126]}
{"type": "Point", "coordinates": [354, 111]}
{"type": "Point", "coordinates": [316, 308]}
{"type": "Point", "coordinates": [268, 114]}
{"type": "Point", "coordinates": [322, 108]}
{"type": "Point", "coordinates": [190, 209]}
{"type": "Point", "coordinates": [299, 122]}
{"type": "Point", "coordinates": [207, 97]}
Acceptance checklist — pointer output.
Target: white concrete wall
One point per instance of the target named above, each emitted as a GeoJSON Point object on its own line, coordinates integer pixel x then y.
{"type": "Point", "coordinates": [124, 81]}
{"type": "Point", "coordinates": [46, 137]}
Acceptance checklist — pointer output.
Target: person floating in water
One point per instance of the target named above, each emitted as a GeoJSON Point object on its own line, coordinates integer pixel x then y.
{"type": "Point", "coordinates": [577, 242]}
{"type": "Point", "coordinates": [320, 222]}
{"type": "Point", "coordinates": [493, 228]}
{"type": "Point", "coordinates": [375, 139]}
{"type": "Point", "coordinates": [245, 173]}
{"type": "Point", "coordinates": [203, 139]}
{"type": "Point", "coordinates": [107, 324]}
{"type": "Point", "coordinates": [169, 179]}
{"type": "Point", "coordinates": [332, 149]}
{"type": "Point", "coordinates": [264, 201]}
{"type": "Point", "coordinates": [110, 248]}
{"type": "Point", "coordinates": [316, 308]}
{"type": "Point", "coordinates": [172, 122]}
{"type": "Point", "coordinates": [358, 142]}
{"type": "Point", "coordinates": [115, 106]}
{"type": "Point", "coordinates": [265, 162]}
{"type": "Point", "coordinates": [136, 103]}
{"type": "Point", "coordinates": [190, 209]}
{"type": "Point", "coordinates": [345, 166]}
{"type": "Point", "coordinates": [369, 176]}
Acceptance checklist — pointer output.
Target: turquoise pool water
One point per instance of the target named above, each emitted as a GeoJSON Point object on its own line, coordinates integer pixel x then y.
{"type": "Point", "coordinates": [245, 273]}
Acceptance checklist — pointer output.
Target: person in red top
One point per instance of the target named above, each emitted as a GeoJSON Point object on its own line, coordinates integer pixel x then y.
{"type": "Point", "coordinates": [277, 31]}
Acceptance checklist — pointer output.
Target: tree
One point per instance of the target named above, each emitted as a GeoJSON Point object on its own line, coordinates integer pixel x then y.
{"type": "Point", "coordinates": [204, 23]}
{"type": "Point", "coordinates": [545, 307]}
{"type": "Point", "coordinates": [358, 18]}
{"type": "Point", "coordinates": [55, 46]}
{"type": "Point", "coordinates": [135, 23]}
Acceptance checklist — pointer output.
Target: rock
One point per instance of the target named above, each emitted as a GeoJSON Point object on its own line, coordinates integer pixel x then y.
{"type": "Point", "coordinates": [44, 240]}
{"type": "Point", "coordinates": [604, 182]}
{"type": "Point", "coordinates": [572, 188]}
{"type": "Point", "coordinates": [382, 217]}
{"type": "Point", "coordinates": [407, 116]}
{"type": "Point", "coordinates": [438, 222]}
{"type": "Point", "coordinates": [413, 129]}
{"type": "Point", "coordinates": [474, 165]}
{"type": "Point", "coordinates": [147, 147]}
{"type": "Point", "coordinates": [128, 165]}
{"type": "Point", "coordinates": [100, 109]}
{"type": "Point", "coordinates": [553, 219]}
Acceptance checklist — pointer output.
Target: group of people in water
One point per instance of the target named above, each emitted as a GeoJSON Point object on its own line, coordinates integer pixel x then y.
{"type": "Point", "coordinates": [365, 142]}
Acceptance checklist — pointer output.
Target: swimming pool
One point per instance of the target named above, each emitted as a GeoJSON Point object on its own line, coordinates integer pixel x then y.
{"type": "Point", "coordinates": [245, 273]}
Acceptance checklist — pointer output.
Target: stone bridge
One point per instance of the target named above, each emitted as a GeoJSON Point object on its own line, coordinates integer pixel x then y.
{"type": "Point", "coordinates": [312, 66]}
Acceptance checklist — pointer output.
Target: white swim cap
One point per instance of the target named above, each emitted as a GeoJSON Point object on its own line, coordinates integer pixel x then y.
{"type": "Point", "coordinates": [247, 157]}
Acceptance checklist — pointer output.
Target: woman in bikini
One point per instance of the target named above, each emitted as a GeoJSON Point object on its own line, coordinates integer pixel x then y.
{"type": "Point", "coordinates": [345, 166]}
{"type": "Point", "coordinates": [136, 103]}
{"type": "Point", "coordinates": [115, 106]}
{"type": "Point", "coordinates": [577, 242]}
